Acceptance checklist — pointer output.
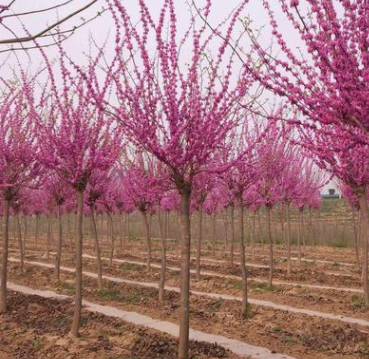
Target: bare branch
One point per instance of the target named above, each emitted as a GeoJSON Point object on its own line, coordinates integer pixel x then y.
{"type": "Point", "coordinates": [46, 30]}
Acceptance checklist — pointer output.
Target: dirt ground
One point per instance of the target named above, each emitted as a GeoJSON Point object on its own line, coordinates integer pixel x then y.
{"type": "Point", "coordinates": [37, 328]}
{"type": "Point", "coordinates": [299, 335]}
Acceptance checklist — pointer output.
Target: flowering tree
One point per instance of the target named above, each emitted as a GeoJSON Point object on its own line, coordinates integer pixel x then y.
{"type": "Point", "coordinates": [18, 159]}
{"type": "Point", "coordinates": [202, 186]}
{"type": "Point", "coordinates": [56, 192]}
{"type": "Point", "coordinates": [75, 140]}
{"type": "Point", "coordinates": [340, 153]}
{"type": "Point", "coordinates": [98, 185]}
{"type": "Point", "coordinates": [141, 187]}
{"type": "Point", "coordinates": [272, 158]}
{"type": "Point", "coordinates": [325, 78]}
{"type": "Point", "coordinates": [179, 114]}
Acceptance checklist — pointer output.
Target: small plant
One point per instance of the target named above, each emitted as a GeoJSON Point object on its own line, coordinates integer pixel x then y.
{"type": "Point", "coordinates": [336, 264]}
{"type": "Point", "coordinates": [216, 305]}
{"type": "Point", "coordinates": [69, 287]}
{"type": "Point", "coordinates": [133, 298]}
{"type": "Point", "coordinates": [133, 238]}
{"type": "Point", "coordinates": [289, 339]}
{"type": "Point", "coordinates": [237, 285]}
{"type": "Point", "coordinates": [108, 293]}
{"type": "Point", "coordinates": [131, 267]}
{"type": "Point", "coordinates": [248, 313]}
{"type": "Point", "coordinates": [358, 301]}
{"type": "Point", "coordinates": [277, 329]}
{"type": "Point", "coordinates": [264, 287]}
{"type": "Point", "coordinates": [38, 343]}
{"type": "Point", "coordinates": [340, 244]}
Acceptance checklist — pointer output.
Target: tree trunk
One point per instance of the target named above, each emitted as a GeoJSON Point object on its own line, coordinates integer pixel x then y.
{"type": "Point", "coordinates": [20, 242]}
{"type": "Point", "coordinates": [253, 235]}
{"type": "Point", "coordinates": [260, 227]}
{"type": "Point", "coordinates": [283, 226]}
{"type": "Point", "coordinates": [25, 234]}
{"type": "Point", "coordinates": [288, 239]}
{"type": "Point", "coordinates": [357, 252]}
{"type": "Point", "coordinates": [78, 295]}
{"type": "Point", "coordinates": [69, 232]}
{"type": "Point", "coordinates": [299, 234]}
{"type": "Point", "coordinates": [97, 249]}
{"type": "Point", "coordinates": [303, 231]}
{"type": "Point", "coordinates": [163, 234]}
{"type": "Point", "coordinates": [148, 240]}
{"type": "Point", "coordinates": [214, 235]}
{"type": "Point", "coordinates": [244, 310]}
{"type": "Point", "coordinates": [60, 243]}
{"type": "Point", "coordinates": [4, 263]}
{"type": "Point", "coordinates": [271, 262]}
{"type": "Point", "coordinates": [121, 230]}
{"type": "Point", "coordinates": [365, 236]}
{"type": "Point", "coordinates": [226, 223]}
{"type": "Point", "coordinates": [184, 318]}
{"type": "Point", "coordinates": [232, 237]}
{"type": "Point", "coordinates": [198, 247]}
{"type": "Point", "coordinates": [36, 230]}
{"type": "Point", "coordinates": [112, 239]}
{"type": "Point", "coordinates": [48, 238]}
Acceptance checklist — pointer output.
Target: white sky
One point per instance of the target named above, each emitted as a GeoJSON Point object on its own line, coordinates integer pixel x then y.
{"type": "Point", "coordinates": [101, 27]}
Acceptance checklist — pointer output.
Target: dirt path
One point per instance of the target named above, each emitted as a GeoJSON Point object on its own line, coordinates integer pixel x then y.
{"type": "Point", "coordinates": [235, 346]}
{"type": "Point", "coordinates": [258, 302]}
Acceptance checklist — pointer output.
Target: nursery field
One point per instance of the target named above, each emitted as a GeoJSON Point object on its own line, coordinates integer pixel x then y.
{"type": "Point", "coordinates": [316, 311]}
{"type": "Point", "coordinates": [184, 179]}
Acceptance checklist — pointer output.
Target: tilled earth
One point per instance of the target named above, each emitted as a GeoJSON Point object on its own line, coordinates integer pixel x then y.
{"type": "Point", "coordinates": [298, 335]}
{"type": "Point", "coordinates": [37, 328]}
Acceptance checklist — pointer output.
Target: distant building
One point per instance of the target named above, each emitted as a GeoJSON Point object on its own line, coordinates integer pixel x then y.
{"type": "Point", "coordinates": [330, 193]}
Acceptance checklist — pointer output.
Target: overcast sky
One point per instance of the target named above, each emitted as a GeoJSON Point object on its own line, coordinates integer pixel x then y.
{"type": "Point", "coordinates": [103, 27]}
{"type": "Point", "coordinates": [100, 28]}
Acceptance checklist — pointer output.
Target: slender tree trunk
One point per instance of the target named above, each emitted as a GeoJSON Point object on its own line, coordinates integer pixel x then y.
{"type": "Point", "coordinates": [213, 235]}
{"type": "Point", "coordinates": [112, 238]}
{"type": "Point", "coordinates": [198, 247]}
{"type": "Point", "coordinates": [148, 239]}
{"type": "Point", "coordinates": [232, 237]}
{"type": "Point", "coordinates": [356, 237]}
{"type": "Point", "coordinates": [365, 236]}
{"type": "Point", "coordinates": [4, 262]}
{"type": "Point", "coordinates": [303, 231]}
{"type": "Point", "coordinates": [244, 310]}
{"type": "Point", "coordinates": [283, 226]}
{"type": "Point", "coordinates": [48, 238]}
{"type": "Point", "coordinates": [163, 234]}
{"type": "Point", "coordinates": [299, 234]}
{"type": "Point", "coordinates": [97, 249]}
{"type": "Point", "coordinates": [253, 235]}
{"type": "Point", "coordinates": [288, 239]}
{"type": "Point", "coordinates": [79, 241]}
{"type": "Point", "coordinates": [271, 261]}
{"type": "Point", "coordinates": [226, 224]}
{"type": "Point", "coordinates": [69, 232]}
{"type": "Point", "coordinates": [60, 244]}
{"type": "Point", "coordinates": [25, 234]}
{"type": "Point", "coordinates": [311, 227]}
{"type": "Point", "coordinates": [37, 219]}
{"type": "Point", "coordinates": [121, 230]}
{"type": "Point", "coordinates": [184, 317]}
{"type": "Point", "coordinates": [20, 241]}
{"type": "Point", "coordinates": [260, 227]}
{"type": "Point", "coordinates": [128, 225]}
{"type": "Point", "coordinates": [319, 229]}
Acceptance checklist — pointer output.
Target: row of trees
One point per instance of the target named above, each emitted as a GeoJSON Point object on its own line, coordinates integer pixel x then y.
{"type": "Point", "coordinates": [146, 130]}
